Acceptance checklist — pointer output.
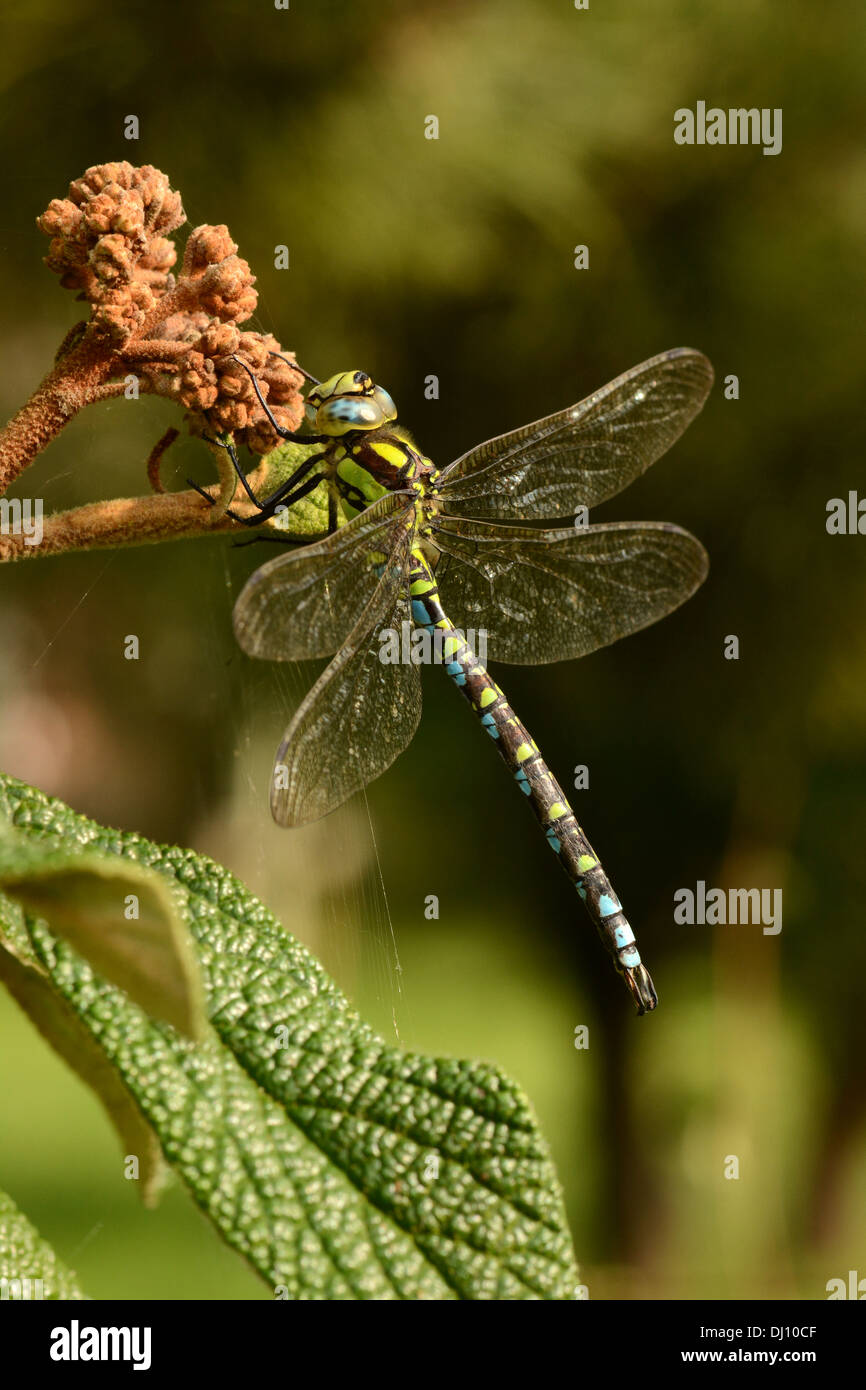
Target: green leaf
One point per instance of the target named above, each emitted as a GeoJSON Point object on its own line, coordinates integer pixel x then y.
{"type": "Point", "coordinates": [339, 1166]}
{"type": "Point", "coordinates": [29, 984]}
{"type": "Point", "coordinates": [83, 897]}
{"type": "Point", "coordinates": [29, 1267]}
{"type": "Point", "coordinates": [310, 516]}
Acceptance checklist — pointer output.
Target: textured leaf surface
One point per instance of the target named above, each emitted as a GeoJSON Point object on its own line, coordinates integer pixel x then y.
{"type": "Point", "coordinates": [339, 1166]}
{"type": "Point", "coordinates": [30, 985]}
{"type": "Point", "coordinates": [24, 1255]}
{"type": "Point", "coordinates": [309, 517]}
{"type": "Point", "coordinates": [83, 897]}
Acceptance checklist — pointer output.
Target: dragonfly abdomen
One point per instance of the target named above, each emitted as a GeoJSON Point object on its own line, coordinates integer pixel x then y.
{"type": "Point", "coordinates": [521, 755]}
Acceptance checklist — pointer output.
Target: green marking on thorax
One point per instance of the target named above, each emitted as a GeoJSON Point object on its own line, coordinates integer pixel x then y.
{"type": "Point", "coordinates": [358, 477]}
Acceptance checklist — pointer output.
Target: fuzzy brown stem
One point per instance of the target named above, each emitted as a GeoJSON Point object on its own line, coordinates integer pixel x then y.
{"type": "Point", "coordinates": [74, 382]}
{"type": "Point", "coordinates": [122, 522]}
{"type": "Point", "coordinates": [182, 298]}
{"type": "Point", "coordinates": [154, 350]}
{"type": "Point", "coordinates": [107, 392]}
{"type": "Point", "coordinates": [155, 460]}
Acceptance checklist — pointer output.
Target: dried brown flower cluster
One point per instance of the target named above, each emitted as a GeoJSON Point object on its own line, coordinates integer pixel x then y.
{"type": "Point", "coordinates": [178, 334]}
{"type": "Point", "coordinates": [207, 380]}
{"type": "Point", "coordinates": [109, 241]}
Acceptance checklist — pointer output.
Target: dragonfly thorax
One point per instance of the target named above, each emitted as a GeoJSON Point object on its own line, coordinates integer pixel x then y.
{"type": "Point", "coordinates": [349, 401]}
{"type": "Point", "coordinates": [370, 453]}
{"type": "Point", "coordinates": [390, 461]}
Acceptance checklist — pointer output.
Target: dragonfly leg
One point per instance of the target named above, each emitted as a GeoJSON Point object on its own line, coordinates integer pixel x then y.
{"type": "Point", "coordinates": [229, 447]}
{"type": "Point", "coordinates": [284, 539]}
{"type": "Point", "coordinates": [281, 500]}
{"type": "Point", "coordinates": [287, 494]}
{"type": "Point", "coordinates": [291, 435]}
{"type": "Point", "coordinates": [296, 366]}
{"type": "Point", "coordinates": [212, 501]}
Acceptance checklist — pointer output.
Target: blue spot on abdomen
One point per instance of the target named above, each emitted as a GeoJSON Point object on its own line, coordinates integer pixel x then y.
{"type": "Point", "coordinates": [608, 905]}
{"type": "Point", "coordinates": [420, 612]}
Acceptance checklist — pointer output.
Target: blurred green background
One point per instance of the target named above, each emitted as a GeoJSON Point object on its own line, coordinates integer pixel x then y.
{"type": "Point", "coordinates": [454, 257]}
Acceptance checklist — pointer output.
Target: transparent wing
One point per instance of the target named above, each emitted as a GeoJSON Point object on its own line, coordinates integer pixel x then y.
{"type": "Point", "coordinates": [583, 455]}
{"type": "Point", "coordinates": [304, 603]}
{"type": "Point", "coordinates": [544, 596]}
{"type": "Point", "coordinates": [358, 716]}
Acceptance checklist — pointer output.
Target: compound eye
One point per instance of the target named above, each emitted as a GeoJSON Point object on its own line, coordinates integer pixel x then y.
{"type": "Point", "coordinates": [345, 413]}
{"type": "Point", "coordinates": [384, 402]}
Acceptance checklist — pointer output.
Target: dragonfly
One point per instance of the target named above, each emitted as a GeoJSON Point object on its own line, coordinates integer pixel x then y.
{"type": "Point", "coordinates": [413, 548]}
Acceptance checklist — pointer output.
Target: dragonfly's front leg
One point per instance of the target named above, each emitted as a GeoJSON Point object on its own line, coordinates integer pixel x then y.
{"type": "Point", "coordinates": [293, 436]}
{"type": "Point", "coordinates": [296, 486]}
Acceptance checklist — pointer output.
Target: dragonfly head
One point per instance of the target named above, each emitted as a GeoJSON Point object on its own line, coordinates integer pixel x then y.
{"type": "Point", "coordinates": [349, 401]}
